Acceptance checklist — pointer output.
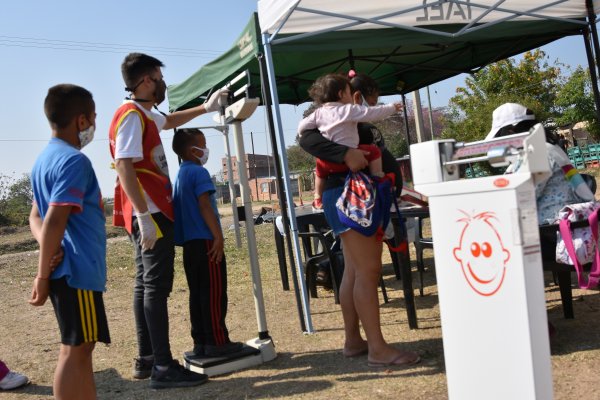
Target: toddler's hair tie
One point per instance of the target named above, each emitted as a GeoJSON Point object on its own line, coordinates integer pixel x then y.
{"type": "Point", "coordinates": [351, 74]}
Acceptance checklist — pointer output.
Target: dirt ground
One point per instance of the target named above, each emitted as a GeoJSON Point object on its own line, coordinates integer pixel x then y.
{"type": "Point", "coordinates": [307, 366]}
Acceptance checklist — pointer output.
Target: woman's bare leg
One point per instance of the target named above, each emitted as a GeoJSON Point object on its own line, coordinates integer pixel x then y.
{"type": "Point", "coordinates": [354, 343]}
{"type": "Point", "coordinates": [363, 254]}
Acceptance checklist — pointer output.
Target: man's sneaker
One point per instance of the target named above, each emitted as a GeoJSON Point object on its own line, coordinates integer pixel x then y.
{"type": "Point", "coordinates": [13, 380]}
{"type": "Point", "coordinates": [317, 205]}
{"type": "Point", "coordinates": [223, 350]}
{"type": "Point", "coordinates": [175, 376]}
{"type": "Point", "coordinates": [142, 368]}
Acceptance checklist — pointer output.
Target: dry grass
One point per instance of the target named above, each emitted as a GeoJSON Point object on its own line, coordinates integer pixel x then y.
{"type": "Point", "coordinates": [307, 366]}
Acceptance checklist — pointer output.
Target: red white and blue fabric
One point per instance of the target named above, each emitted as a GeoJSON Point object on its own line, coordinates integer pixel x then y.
{"type": "Point", "coordinates": [364, 204]}
{"type": "Point", "coordinates": [580, 246]}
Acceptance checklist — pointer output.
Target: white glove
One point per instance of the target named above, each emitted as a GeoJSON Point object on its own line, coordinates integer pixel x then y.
{"type": "Point", "coordinates": [212, 103]}
{"type": "Point", "coordinates": [147, 230]}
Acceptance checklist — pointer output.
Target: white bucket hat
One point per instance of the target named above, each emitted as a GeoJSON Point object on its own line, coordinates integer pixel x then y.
{"type": "Point", "coordinates": [508, 114]}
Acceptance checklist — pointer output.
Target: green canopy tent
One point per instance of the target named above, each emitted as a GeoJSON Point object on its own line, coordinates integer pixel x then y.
{"type": "Point", "coordinates": [400, 60]}
{"type": "Point", "coordinates": [403, 45]}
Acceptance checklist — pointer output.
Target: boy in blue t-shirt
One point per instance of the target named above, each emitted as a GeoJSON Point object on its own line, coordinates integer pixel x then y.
{"type": "Point", "coordinates": [198, 230]}
{"type": "Point", "coordinates": [67, 220]}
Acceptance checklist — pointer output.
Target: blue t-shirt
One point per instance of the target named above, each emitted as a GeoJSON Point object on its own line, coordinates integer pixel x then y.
{"type": "Point", "coordinates": [192, 181]}
{"type": "Point", "coordinates": [62, 175]}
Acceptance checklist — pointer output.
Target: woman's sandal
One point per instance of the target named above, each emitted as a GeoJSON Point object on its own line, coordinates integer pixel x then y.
{"type": "Point", "coordinates": [397, 362]}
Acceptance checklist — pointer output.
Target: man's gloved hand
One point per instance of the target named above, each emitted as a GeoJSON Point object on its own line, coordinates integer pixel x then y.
{"type": "Point", "coordinates": [147, 230]}
{"type": "Point", "coordinates": [212, 103]}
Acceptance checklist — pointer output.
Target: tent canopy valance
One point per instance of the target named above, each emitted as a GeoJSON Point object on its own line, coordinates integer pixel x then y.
{"type": "Point", "coordinates": [422, 43]}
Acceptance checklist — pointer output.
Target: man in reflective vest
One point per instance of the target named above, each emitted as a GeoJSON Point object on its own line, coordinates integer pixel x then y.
{"type": "Point", "coordinates": [143, 205]}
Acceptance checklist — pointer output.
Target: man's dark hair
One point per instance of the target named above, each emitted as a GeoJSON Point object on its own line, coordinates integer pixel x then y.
{"type": "Point", "coordinates": [364, 84]}
{"type": "Point", "coordinates": [66, 102]}
{"type": "Point", "coordinates": [183, 139]}
{"type": "Point", "coordinates": [135, 66]}
{"type": "Point", "coordinates": [327, 88]}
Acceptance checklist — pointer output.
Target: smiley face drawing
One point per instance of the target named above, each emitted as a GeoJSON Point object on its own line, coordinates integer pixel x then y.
{"type": "Point", "coordinates": [481, 253]}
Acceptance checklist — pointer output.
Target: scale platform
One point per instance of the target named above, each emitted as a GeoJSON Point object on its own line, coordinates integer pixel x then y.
{"type": "Point", "coordinates": [254, 352]}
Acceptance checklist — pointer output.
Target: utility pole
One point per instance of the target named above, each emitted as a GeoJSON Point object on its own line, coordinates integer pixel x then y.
{"type": "Point", "coordinates": [254, 162]}
{"type": "Point", "coordinates": [418, 115]}
{"type": "Point", "coordinates": [430, 112]}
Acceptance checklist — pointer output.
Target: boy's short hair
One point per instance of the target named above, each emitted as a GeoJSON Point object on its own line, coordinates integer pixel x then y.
{"type": "Point", "coordinates": [66, 102]}
{"type": "Point", "coordinates": [135, 66]}
{"type": "Point", "coordinates": [327, 88]}
{"type": "Point", "coordinates": [183, 139]}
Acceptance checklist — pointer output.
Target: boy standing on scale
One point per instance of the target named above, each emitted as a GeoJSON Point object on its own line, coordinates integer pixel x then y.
{"type": "Point", "coordinates": [198, 231]}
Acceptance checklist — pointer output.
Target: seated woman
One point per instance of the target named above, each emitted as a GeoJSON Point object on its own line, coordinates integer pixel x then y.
{"type": "Point", "coordinates": [564, 186]}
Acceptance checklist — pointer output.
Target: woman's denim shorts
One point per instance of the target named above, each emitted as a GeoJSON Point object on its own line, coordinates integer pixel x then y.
{"type": "Point", "coordinates": [330, 197]}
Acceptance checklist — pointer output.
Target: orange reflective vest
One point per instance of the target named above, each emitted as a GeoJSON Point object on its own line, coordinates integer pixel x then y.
{"type": "Point", "coordinates": [152, 173]}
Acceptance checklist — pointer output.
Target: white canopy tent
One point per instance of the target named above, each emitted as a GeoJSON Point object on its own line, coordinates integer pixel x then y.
{"type": "Point", "coordinates": [341, 24]}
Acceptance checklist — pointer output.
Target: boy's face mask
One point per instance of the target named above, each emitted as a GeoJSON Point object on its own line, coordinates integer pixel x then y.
{"type": "Point", "coordinates": [203, 160]}
{"type": "Point", "coordinates": [86, 136]}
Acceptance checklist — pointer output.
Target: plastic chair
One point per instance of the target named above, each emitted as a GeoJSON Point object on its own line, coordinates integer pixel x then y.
{"type": "Point", "coordinates": [321, 248]}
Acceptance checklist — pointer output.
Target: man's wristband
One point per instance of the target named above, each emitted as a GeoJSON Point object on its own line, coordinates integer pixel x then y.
{"type": "Point", "coordinates": [41, 278]}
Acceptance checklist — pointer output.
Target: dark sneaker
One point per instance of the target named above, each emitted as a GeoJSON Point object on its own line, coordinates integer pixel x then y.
{"type": "Point", "coordinates": [223, 350]}
{"type": "Point", "coordinates": [197, 352]}
{"type": "Point", "coordinates": [142, 368]}
{"type": "Point", "coordinates": [175, 376]}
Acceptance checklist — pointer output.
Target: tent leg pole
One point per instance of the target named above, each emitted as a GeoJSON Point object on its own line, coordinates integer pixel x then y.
{"type": "Point", "coordinates": [280, 185]}
{"type": "Point", "coordinates": [593, 71]}
{"type": "Point", "coordinates": [288, 191]}
{"type": "Point", "coordinates": [593, 30]}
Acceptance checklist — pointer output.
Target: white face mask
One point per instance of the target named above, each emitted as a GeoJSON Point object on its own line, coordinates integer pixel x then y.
{"type": "Point", "coordinates": [364, 101]}
{"type": "Point", "coordinates": [86, 136]}
{"type": "Point", "coordinates": [204, 157]}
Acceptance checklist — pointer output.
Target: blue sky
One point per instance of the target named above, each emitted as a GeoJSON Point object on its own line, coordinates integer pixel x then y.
{"type": "Point", "coordinates": [44, 43]}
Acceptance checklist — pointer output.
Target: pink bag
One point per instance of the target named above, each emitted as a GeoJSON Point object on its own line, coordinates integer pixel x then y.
{"type": "Point", "coordinates": [581, 246]}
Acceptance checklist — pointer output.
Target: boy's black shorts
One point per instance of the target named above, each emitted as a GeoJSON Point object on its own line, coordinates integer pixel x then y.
{"type": "Point", "coordinates": [80, 314]}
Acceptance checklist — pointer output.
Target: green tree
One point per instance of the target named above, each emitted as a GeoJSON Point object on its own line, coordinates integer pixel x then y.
{"type": "Point", "coordinates": [531, 81]}
{"type": "Point", "coordinates": [298, 159]}
{"type": "Point", "coordinates": [575, 102]}
{"type": "Point", "coordinates": [16, 197]}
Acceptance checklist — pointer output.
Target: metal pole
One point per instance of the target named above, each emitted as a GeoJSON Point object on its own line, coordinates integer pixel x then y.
{"type": "Point", "coordinates": [592, 68]}
{"type": "Point", "coordinates": [259, 303]}
{"type": "Point", "coordinates": [266, 91]}
{"type": "Point", "coordinates": [592, 23]}
{"type": "Point", "coordinates": [288, 188]}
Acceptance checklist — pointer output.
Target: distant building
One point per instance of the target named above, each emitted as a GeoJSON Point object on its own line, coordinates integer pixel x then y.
{"type": "Point", "coordinates": [576, 133]}
{"type": "Point", "coordinates": [261, 176]}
